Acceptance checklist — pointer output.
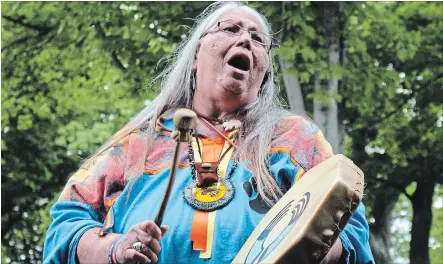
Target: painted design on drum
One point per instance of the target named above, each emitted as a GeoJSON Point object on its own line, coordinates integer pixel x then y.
{"type": "Point", "coordinates": [277, 229]}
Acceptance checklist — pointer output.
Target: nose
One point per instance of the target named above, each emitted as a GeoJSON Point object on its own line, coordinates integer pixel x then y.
{"type": "Point", "coordinates": [244, 40]}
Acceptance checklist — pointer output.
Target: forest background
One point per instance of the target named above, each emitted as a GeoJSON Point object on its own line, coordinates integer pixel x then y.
{"type": "Point", "coordinates": [369, 74]}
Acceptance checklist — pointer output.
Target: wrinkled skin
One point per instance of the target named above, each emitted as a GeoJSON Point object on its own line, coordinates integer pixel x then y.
{"type": "Point", "coordinates": [223, 89]}
{"type": "Point", "coordinates": [146, 232]}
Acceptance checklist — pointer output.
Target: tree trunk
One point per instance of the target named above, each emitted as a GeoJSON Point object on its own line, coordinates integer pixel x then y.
{"type": "Point", "coordinates": [342, 84]}
{"type": "Point", "coordinates": [380, 237]}
{"type": "Point", "coordinates": [421, 221]}
{"type": "Point", "coordinates": [341, 135]}
{"type": "Point", "coordinates": [293, 89]}
{"type": "Point", "coordinates": [320, 110]}
{"type": "Point", "coordinates": [330, 17]}
{"type": "Point", "coordinates": [292, 86]}
{"type": "Point", "coordinates": [332, 33]}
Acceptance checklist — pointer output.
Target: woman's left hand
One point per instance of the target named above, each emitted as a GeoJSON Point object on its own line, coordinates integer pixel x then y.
{"type": "Point", "coordinates": [334, 253]}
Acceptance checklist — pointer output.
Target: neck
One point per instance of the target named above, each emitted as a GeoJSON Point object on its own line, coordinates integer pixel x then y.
{"type": "Point", "coordinates": [215, 112]}
{"type": "Point", "coordinates": [208, 118]}
{"type": "Point", "coordinates": [220, 109]}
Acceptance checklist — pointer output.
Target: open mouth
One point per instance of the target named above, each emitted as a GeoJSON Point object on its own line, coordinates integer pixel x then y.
{"type": "Point", "coordinates": [240, 62]}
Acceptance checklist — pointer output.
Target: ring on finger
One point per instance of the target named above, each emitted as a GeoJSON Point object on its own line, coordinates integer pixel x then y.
{"type": "Point", "coordinates": [137, 246]}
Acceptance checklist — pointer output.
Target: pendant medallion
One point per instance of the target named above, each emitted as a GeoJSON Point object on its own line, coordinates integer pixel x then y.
{"type": "Point", "coordinates": [209, 198]}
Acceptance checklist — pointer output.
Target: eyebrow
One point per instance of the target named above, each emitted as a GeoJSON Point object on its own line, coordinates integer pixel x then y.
{"type": "Point", "coordinates": [240, 23]}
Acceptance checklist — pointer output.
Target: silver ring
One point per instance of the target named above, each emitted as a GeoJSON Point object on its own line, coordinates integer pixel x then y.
{"type": "Point", "coordinates": [137, 246]}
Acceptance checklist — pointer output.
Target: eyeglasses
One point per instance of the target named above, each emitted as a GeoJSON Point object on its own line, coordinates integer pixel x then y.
{"type": "Point", "coordinates": [231, 28]}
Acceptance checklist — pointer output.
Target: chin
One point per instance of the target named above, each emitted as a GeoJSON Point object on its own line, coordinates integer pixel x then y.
{"type": "Point", "coordinates": [236, 87]}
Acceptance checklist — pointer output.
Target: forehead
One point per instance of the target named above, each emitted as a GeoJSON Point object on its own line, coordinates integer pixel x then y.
{"type": "Point", "coordinates": [243, 18]}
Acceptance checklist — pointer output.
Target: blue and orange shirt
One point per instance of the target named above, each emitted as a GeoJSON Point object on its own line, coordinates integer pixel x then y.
{"type": "Point", "coordinates": [129, 184]}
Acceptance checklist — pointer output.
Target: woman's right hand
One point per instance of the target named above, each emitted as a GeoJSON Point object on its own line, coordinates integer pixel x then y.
{"type": "Point", "coordinates": [149, 234]}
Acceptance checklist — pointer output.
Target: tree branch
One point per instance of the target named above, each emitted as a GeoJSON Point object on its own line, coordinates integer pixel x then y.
{"type": "Point", "coordinates": [99, 29]}
{"type": "Point", "coordinates": [42, 30]}
{"type": "Point", "coordinates": [388, 115]}
{"type": "Point", "coordinates": [21, 22]}
{"type": "Point", "coordinates": [391, 184]}
{"type": "Point", "coordinates": [415, 94]}
{"type": "Point", "coordinates": [114, 56]}
{"type": "Point", "coordinates": [117, 61]}
{"type": "Point", "coordinates": [18, 41]}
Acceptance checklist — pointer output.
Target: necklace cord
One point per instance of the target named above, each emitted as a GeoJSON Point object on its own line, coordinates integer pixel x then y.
{"type": "Point", "coordinates": [208, 124]}
{"type": "Point", "coordinates": [213, 119]}
{"type": "Point", "coordinates": [198, 143]}
{"type": "Point", "coordinates": [222, 155]}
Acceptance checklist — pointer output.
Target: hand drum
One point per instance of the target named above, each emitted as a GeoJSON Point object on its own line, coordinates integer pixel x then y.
{"type": "Point", "coordinates": [307, 220]}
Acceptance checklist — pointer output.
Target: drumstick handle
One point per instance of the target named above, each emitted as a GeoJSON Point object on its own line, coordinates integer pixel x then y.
{"type": "Point", "coordinates": [161, 211]}
{"type": "Point", "coordinates": [185, 122]}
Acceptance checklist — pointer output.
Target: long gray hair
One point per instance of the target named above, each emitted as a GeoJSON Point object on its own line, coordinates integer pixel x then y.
{"type": "Point", "coordinates": [176, 92]}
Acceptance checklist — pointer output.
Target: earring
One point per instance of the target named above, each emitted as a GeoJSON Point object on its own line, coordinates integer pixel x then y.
{"type": "Point", "coordinates": [193, 81]}
{"type": "Point", "coordinates": [192, 84]}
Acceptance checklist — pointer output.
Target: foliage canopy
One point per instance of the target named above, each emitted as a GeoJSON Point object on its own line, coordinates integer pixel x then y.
{"type": "Point", "coordinates": [73, 73]}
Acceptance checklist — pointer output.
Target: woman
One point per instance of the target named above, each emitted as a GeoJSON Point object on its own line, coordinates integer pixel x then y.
{"type": "Point", "coordinates": [246, 151]}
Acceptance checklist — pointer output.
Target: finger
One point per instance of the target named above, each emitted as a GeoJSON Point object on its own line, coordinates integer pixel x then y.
{"type": "Point", "coordinates": [151, 228]}
{"type": "Point", "coordinates": [144, 237]}
{"type": "Point", "coordinates": [147, 251]}
{"type": "Point", "coordinates": [142, 259]}
{"type": "Point", "coordinates": [150, 242]}
{"type": "Point", "coordinates": [133, 255]}
{"type": "Point", "coordinates": [164, 229]}
{"type": "Point", "coordinates": [148, 229]}
{"type": "Point", "coordinates": [155, 246]}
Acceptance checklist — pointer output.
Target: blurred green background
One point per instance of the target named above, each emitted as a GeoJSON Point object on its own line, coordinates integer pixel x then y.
{"type": "Point", "coordinates": [73, 73]}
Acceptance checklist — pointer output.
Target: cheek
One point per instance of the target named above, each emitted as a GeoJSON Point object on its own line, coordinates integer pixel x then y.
{"type": "Point", "coordinates": [215, 48]}
{"type": "Point", "coordinates": [210, 57]}
{"type": "Point", "coordinates": [211, 49]}
{"type": "Point", "coordinates": [263, 67]}
{"type": "Point", "coordinates": [262, 61]}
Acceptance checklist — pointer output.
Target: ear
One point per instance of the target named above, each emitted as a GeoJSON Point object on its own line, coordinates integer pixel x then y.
{"type": "Point", "coordinates": [194, 65]}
